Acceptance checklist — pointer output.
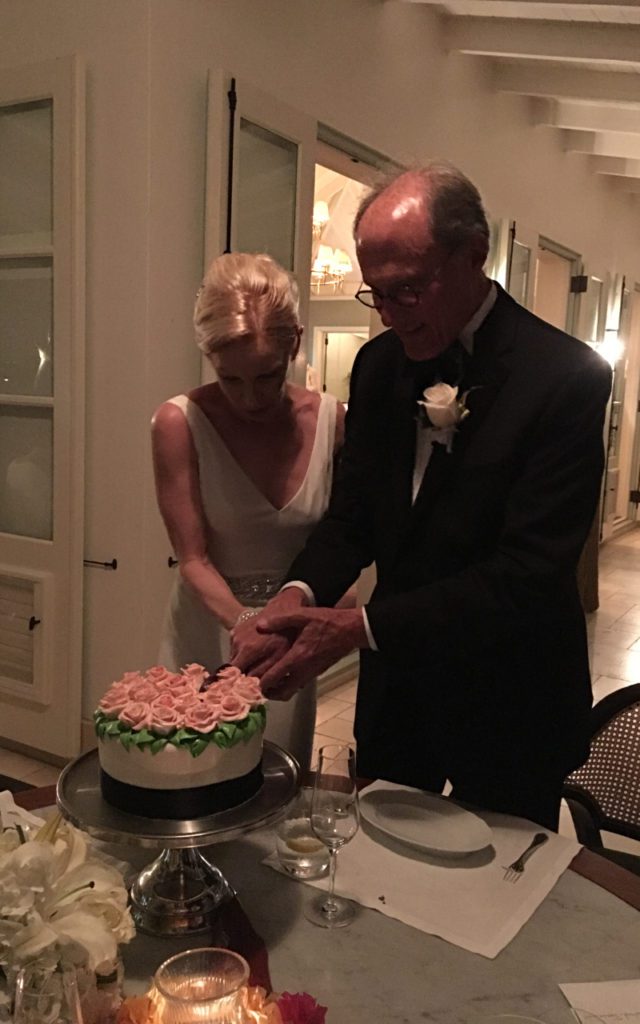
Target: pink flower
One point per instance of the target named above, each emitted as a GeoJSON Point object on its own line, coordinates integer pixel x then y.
{"type": "Point", "coordinates": [164, 717]}
{"type": "Point", "coordinates": [248, 688]}
{"type": "Point", "coordinates": [115, 699]}
{"type": "Point", "coordinates": [202, 716]}
{"type": "Point", "coordinates": [136, 714]}
{"type": "Point", "coordinates": [233, 708]}
{"type": "Point", "coordinates": [142, 691]}
{"type": "Point", "coordinates": [301, 1008]}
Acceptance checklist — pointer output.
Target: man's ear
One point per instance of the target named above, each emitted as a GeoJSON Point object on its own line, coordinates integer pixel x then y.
{"type": "Point", "coordinates": [296, 345]}
{"type": "Point", "coordinates": [478, 252]}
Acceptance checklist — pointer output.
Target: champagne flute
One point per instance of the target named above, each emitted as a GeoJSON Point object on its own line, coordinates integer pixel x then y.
{"type": "Point", "coordinates": [335, 819]}
{"type": "Point", "coordinates": [46, 997]}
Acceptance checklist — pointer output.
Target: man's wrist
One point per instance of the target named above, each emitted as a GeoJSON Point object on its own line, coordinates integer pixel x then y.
{"type": "Point", "coordinates": [301, 592]}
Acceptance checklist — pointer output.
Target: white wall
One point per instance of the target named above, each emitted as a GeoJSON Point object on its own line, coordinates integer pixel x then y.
{"type": "Point", "coordinates": [374, 71]}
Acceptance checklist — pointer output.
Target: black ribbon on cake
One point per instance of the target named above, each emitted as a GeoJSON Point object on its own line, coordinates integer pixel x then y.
{"type": "Point", "coordinates": [196, 802]}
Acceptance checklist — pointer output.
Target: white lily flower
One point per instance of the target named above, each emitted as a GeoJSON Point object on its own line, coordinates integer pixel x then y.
{"type": "Point", "coordinates": [61, 905]}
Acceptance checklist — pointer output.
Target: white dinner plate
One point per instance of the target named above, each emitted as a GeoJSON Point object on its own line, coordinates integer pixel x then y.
{"type": "Point", "coordinates": [425, 821]}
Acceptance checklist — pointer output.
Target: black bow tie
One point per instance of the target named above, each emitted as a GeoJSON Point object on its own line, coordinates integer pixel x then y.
{"type": "Point", "coordinates": [447, 367]}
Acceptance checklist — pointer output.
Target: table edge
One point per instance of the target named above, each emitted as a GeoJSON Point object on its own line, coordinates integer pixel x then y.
{"type": "Point", "coordinates": [609, 876]}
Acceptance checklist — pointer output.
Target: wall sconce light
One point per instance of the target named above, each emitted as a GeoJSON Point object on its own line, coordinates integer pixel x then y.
{"type": "Point", "coordinates": [611, 347]}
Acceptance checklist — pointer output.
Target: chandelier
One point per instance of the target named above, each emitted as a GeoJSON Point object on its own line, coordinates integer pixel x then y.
{"type": "Point", "coordinates": [329, 269]}
{"type": "Point", "coordinates": [320, 217]}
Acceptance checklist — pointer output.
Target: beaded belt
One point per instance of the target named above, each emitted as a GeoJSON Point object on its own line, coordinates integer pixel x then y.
{"type": "Point", "coordinates": [255, 589]}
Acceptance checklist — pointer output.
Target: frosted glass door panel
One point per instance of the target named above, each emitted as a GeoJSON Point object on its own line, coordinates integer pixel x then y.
{"type": "Point", "coordinates": [16, 638]}
{"type": "Point", "coordinates": [519, 272]}
{"type": "Point", "coordinates": [26, 148]}
{"type": "Point", "coordinates": [266, 200]}
{"type": "Point", "coordinates": [26, 327]}
{"type": "Point", "coordinates": [26, 471]}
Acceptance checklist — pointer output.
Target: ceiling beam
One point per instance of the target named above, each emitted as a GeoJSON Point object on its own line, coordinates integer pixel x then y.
{"type": "Point", "coordinates": [616, 165]}
{"type": "Point", "coordinates": [567, 83]}
{"type": "Point", "coordinates": [622, 184]}
{"type": "Point", "coordinates": [543, 40]}
{"type": "Point", "coordinates": [632, 4]}
{"type": "Point", "coordinates": [589, 117]}
{"type": "Point", "coordinates": [616, 144]}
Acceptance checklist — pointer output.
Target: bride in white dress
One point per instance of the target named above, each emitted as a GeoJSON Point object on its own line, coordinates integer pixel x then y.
{"type": "Point", "coordinates": [243, 472]}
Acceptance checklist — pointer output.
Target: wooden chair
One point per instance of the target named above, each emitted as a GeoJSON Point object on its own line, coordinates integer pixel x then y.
{"type": "Point", "coordinates": [604, 794]}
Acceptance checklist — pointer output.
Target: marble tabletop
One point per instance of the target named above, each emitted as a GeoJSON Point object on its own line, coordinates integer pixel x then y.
{"type": "Point", "coordinates": [379, 971]}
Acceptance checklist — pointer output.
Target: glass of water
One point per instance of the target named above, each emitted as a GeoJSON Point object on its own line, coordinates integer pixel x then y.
{"type": "Point", "coordinates": [300, 853]}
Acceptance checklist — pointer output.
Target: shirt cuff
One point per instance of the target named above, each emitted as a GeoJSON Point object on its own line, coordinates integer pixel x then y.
{"type": "Point", "coordinates": [304, 587]}
{"type": "Point", "coordinates": [367, 628]}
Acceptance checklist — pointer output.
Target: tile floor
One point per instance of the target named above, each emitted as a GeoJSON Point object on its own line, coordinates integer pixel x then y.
{"type": "Point", "coordinates": [614, 638]}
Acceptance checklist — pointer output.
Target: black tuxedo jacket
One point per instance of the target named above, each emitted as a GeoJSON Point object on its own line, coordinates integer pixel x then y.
{"type": "Point", "coordinates": [482, 651]}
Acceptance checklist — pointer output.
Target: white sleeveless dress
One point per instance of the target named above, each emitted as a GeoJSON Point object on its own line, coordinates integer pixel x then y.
{"type": "Point", "coordinates": [252, 544]}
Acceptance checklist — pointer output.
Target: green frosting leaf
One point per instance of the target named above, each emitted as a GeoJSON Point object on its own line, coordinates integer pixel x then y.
{"type": "Point", "coordinates": [198, 747]}
{"type": "Point", "coordinates": [225, 734]}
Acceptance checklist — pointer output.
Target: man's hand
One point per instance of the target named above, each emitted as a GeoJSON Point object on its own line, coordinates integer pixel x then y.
{"type": "Point", "coordinates": [255, 651]}
{"type": "Point", "coordinates": [322, 637]}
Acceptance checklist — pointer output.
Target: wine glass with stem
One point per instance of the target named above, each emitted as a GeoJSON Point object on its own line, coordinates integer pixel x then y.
{"type": "Point", "coordinates": [335, 818]}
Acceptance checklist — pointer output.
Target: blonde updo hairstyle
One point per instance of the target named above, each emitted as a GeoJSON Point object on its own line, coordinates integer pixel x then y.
{"type": "Point", "coordinates": [246, 296]}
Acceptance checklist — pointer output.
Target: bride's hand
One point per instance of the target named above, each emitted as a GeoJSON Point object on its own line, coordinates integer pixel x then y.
{"type": "Point", "coordinates": [255, 652]}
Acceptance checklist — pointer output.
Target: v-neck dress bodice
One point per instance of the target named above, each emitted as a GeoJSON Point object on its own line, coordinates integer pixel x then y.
{"type": "Point", "coordinates": [251, 543]}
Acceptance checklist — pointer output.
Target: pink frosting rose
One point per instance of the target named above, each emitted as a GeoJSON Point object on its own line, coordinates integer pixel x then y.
{"type": "Point", "coordinates": [229, 673]}
{"type": "Point", "coordinates": [182, 690]}
{"type": "Point", "coordinates": [233, 708]}
{"type": "Point", "coordinates": [248, 688]}
{"type": "Point", "coordinates": [202, 716]}
{"type": "Point", "coordinates": [164, 717]}
{"type": "Point", "coordinates": [143, 691]}
{"type": "Point", "coordinates": [159, 675]}
{"type": "Point", "coordinates": [188, 701]}
{"type": "Point", "coordinates": [115, 699]}
{"type": "Point", "coordinates": [130, 677]}
{"type": "Point", "coordinates": [195, 674]}
{"type": "Point", "coordinates": [136, 714]}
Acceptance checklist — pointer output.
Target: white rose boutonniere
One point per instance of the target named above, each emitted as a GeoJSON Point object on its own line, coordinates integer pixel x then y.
{"type": "Point", "coordinates": [442, 411]}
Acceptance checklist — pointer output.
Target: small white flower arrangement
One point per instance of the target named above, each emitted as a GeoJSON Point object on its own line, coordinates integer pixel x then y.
{"type": "Point", "coordinates": [442, 411]}
{"type": "Point", "coordinates": [62, 907]}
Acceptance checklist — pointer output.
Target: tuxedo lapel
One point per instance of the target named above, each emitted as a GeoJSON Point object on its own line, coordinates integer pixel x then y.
{"type": "Point", "coordinates": [402, 440]}
{"type": "Point", "coordinates": [483, 374]}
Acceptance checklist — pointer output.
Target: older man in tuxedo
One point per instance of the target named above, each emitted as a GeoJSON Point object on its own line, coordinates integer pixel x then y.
{"type": "Point", "coordinates": [473, 645]}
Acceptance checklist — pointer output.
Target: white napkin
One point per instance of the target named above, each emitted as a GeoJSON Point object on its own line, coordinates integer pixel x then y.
{"type": "Point", "coordinates": [464, 900]}
{"type": "Point", "coordinates": [605, 1002]}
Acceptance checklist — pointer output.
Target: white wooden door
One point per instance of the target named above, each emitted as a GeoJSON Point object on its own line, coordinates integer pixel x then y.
{"type": "Point", "coordinates": [260, 169]}
{"type": "Point", "coordinates": [41, 405]}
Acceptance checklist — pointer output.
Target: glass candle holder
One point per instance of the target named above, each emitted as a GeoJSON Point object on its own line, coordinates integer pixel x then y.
{"type": "Point", "coordinates": [201, 985]}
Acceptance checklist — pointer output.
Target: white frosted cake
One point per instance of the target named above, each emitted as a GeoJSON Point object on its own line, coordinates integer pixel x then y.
{"type": "Point", "coordinates": [180, 745]}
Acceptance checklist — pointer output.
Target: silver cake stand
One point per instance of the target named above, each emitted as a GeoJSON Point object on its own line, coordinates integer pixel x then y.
{"type": "Point", "coordinates": [180, 892]}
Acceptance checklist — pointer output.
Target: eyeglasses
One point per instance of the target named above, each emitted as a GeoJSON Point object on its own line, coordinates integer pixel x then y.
{"type": "Point", "coordinates": [404, 295]}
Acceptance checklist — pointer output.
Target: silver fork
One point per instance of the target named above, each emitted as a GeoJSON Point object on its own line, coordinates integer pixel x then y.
{"type": "Point", "coordinates": [515, 870]}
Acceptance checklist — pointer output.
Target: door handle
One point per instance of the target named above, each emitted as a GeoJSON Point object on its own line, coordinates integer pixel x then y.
{"type": "Point", "coordinates": [33, 622]}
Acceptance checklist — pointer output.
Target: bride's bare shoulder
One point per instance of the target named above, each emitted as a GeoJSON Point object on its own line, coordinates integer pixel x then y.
{"type": "Point", "coordinates": [304, 401]}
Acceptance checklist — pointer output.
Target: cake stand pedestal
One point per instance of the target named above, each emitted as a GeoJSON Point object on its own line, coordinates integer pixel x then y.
{"type": "Point", "coordinates": [181, 891]}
